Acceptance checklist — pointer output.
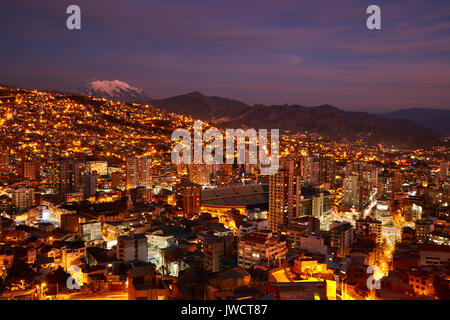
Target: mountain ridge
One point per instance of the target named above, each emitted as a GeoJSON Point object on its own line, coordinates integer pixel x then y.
{"type": "Point", "coordinates": [439, 119]}
{"type": "Point", "coordinates": [326, 120]}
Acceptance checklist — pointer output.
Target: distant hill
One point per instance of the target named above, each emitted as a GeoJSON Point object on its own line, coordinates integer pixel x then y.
{"type": "Point", "coordinates": [435, 119]}
{"type": "Point", "coordinates": [202, 107]}
{"type": "Point", "coordinates": [326, 120]}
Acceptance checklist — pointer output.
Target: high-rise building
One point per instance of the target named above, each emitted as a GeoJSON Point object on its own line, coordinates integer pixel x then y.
{"type": "Point", "coordinates": [132, 248]}
{"type": "Point", "coordinates": [188, 197]}
{"type": "Point", "coordinates": [311, 169]}
{"type": "Point", "coordinates": [4, 160]}
{"type": "Point", "coordinates": [89, 184]}
{"type": "Point", "coordinates": [145, 172]}
{"type": "Point", "coordinates": [117, 180]}
{"type": "Point", "coordinates": [30, 170]}
{"type": "Point", "coordinates": [199, 174]}
{"type": "Point", "coordinates": [350, 190]}
{"type": "Point", "coordinates": [23, 198]}
{"type": "Point", "coordinates": [341, 238]}
{"type": "Point", "coordinates": [444, 169]}
{"type": "Point", "coordinates": [398, 180]}
{"type": "Point", "coordinates": [386, 184]}
{"type": "Point", "coordinates": [327, 171]}
{"type": "Point", "coordinates": [284, 192]}
{"type": "Point", "coordinates": [132, 172]}
{"type": "Point", "coordinates": [138, 172]}
{"type": "Point", "coordinates": [68, 177]}
{"type": "Point", "coordinates": [370, 177]}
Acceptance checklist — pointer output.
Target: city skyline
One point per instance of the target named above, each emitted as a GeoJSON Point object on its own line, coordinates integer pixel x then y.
{"type": "Point", "coordinates": [260, 53]}
{"type": "Point", "coordinates": [92, 207]}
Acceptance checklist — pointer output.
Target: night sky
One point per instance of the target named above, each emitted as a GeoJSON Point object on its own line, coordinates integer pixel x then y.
{"type": "Point", "coordinates": [258, 51]}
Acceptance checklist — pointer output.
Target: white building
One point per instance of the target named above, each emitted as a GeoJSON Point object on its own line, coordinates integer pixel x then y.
{"type": "Point", "coordinates": [132, 248]}
{"type": "Point", "coordinates": [155, 242]}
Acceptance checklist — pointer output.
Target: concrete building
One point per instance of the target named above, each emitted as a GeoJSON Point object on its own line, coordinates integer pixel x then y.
{"type": "Point", "coordinates": [350, 191]}
{"type": "Point", "coordinates": [215, 249]}
{"type": "Point", "coordinates": [259, 246]}
{"type": "Point", "coordinates": [30, 170]}
{"type": "Point", "coordinates": [69, 222]}
{"type": "Point", "coordinates": [4, 160]}
{"type": "Point", "coordinates": [139, 172]}
{"type": "Point", "coordinates": [132, 167]}
{"type": "Point", "coordinates": [23, 198]}
{"type": "Point", "coordinates": [132, 248]}
{"type": "Point", "coordinates": [144, 283]}
{"type": "Point", "coordinates": [424, 228]}
{"type": "Point", "coordinates": [341, 238]}
{"type": "Point", "coordinates": [433, 254]}
{"type": "Point", "coordinates": [199, 174]}
{"type": "Point", "coordinates": [313, 244]}
{"type": "Point", "coordinates": [145, 177]}
{"type": "Point", "coordinates": [90, 231]}
{"type": "Point", "coordinates": [314, 202]}
{"type": "Point", "coordinates": [327, 171]}
{"type": "Point", "coordinates": [369, 227]}
{"type": "Point", "coordinates": [301, 227]}
{"type": "Point", "coordinates": [188, 197]}
{"type": "Point", "coordinates": [71, 255]}
{"type": "Point", "coordinates": [444, 169]}
{"type": "Point", "coordinates": [117, 180]}
{"type": "Point", "coordinates": [89, 184]}
{"type": "Point", "coordinates": [311, 170]}
{"type": "Point", "coordinates": [284, 192]}
{"type": "Point", "coordinates": [421, 281]}
{"type": "Point", "coordinates": [68, 177]}
{"type": "Point", "coordinates": [156, 241]}
{"type": "Point", "coordinates": [252, 226]}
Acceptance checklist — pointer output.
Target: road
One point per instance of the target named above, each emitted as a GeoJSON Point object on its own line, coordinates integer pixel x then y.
{"type": "Point", "coordinates": [373, 203]}
{"type": "Point", "coordinates": [107, 295]}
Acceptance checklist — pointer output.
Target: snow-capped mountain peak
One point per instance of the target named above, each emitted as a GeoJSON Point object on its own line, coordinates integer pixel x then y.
{"type": "Point", "coordinates": [114, 90]}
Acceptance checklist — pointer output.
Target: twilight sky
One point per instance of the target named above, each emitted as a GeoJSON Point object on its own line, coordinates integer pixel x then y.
{"type": "Point", "coordinates": [257, 51]}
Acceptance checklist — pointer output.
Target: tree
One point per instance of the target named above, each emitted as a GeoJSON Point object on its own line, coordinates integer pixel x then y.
{"type": "Point", "coordinates": [20, 271]}
{"type": "Point", "coordinates": [58, 276]}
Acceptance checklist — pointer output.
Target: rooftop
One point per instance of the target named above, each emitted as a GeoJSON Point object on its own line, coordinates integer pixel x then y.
{"type": "Point", "coordinates": [238, 196]}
